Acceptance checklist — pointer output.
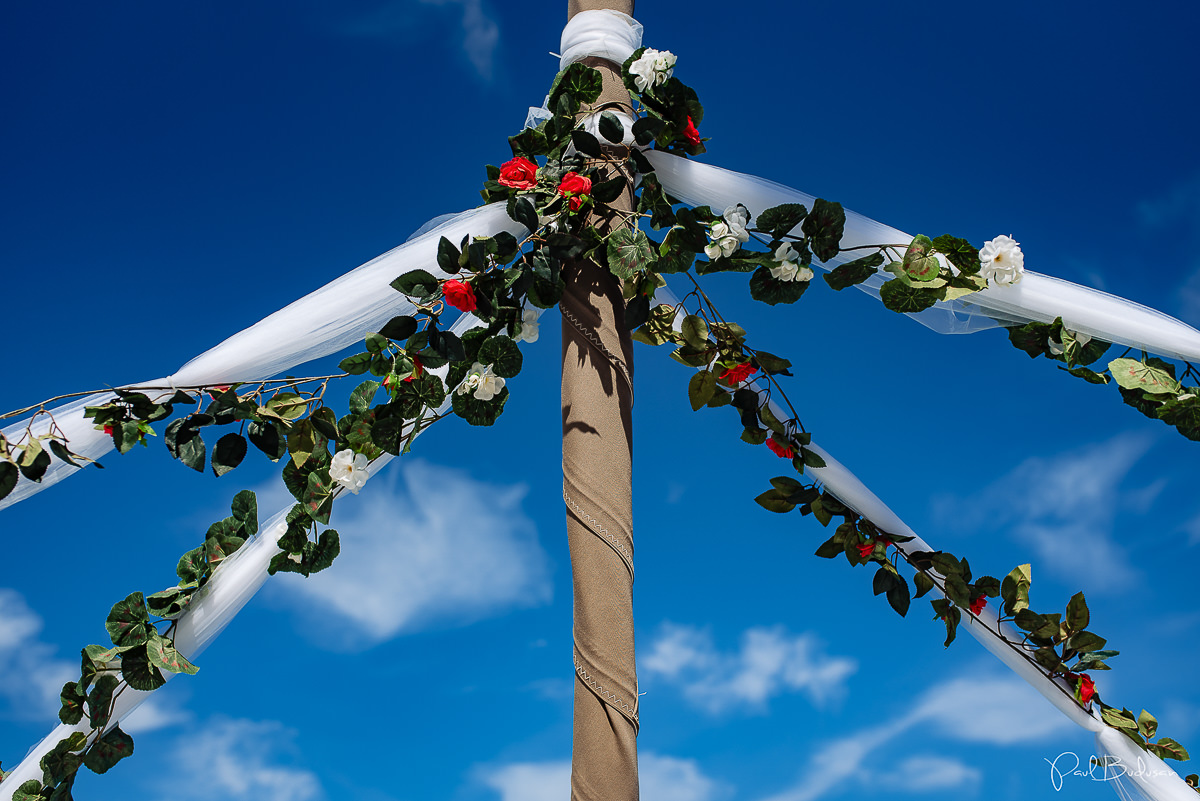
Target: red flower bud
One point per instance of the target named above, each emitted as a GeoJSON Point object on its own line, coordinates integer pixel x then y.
{"type": "Point", "coordinates": [978, 604]}
{"type": "Point", "coordinates": [782, 451]}
{"type": "Point", "coordinates": [866, 549]}
{"type": "Point", "coordinates": [738, 373]}
{"type": "Point", "coordinates": [690, 133]}
{"type": "Point", "coordinates": [460, 295]}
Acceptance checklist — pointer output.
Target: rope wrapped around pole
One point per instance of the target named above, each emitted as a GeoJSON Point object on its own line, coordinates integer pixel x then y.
{"type": "Point", "coordinates": [597, 400]}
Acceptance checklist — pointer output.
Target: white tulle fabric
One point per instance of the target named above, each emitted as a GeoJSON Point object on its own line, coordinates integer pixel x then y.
{"type": "Point", "coordinates": [1140, 775]}
{"type": "Point", "coordinates": [233, 584]}
{"type": "Point", "coordinates": [1037, 297]}
{"type": "Point", "coordinates": [332, 318]}
{"type": "Point", "coordinates": [603, 34]}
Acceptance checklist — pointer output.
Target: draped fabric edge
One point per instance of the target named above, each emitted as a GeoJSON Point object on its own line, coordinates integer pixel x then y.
{"type": "Point", "coordinates": [318, 324]}
{"type": "Point", "coordinates": [233, 584]}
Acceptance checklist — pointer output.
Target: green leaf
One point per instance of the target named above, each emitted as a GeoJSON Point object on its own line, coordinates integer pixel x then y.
{"type": "Point", "coordinates": [302, 441]}
{"type": "Point", "coordinates": [1172, 750]}
{"type": "Point", "coordinates": [127, 620]}
{"type": "Point", "coordinates": [502, 354]}
{"type": "Point", "coordinates": [778, 221]}
{"type": "Point", "coordinates": [229, 453]}
{"type": "Point", "coordinates": [772, 291]}
{"type": "Point", "coordinates": [924, 583]}
{"type": "Point", "coordinates": [1086, 641]}
{"type": "Point", "coordinates": [918, 264]}
{"type": "Point", "coordinates": [774, 500]}
{"type": "Point", "coordinates": [610, 190]}
{"type": "Point", "coordinates": [1077, 617]}
{"type": "Point", "coordinates": [772, 364]}
{"type": "Point", "coordinates": [108, 750]}
{"type": "Point", "coordinates": [327, 548]}
{"type": "Point", "coordinates": [959, 252]}
{"type": "Point", "coordinates": [898, 596]}
{"type": "Point", "coordinates": [854, 272]}
{"type": "Point", "coordinates": [1014, 589]}
{"type": "Point", "coordinates": [1135, 375]}
{"type": "Point", "coordinates": [138, 672]}
{"type": "Point", "coordinates": [9, 476]}
{"type": "Point", "coordinates": [694, 331]}
{"type": "Point", "coordinates": [529, 143]}
{"type": "Point", "coordinates": [170, 603]}
{"type": "Point", "coordinates": [99, 701]}
{"type": "Point", "coordinates": [287, 405]}
{"type": "Point", "coordinates": [267, 438]}
{"type": "Point", "coordinates": [646, 129]}
{"type": "Point", "coordinates": [357, 364]}
{"type": "Point", "coordinates": [191, 566]}
{"type": "Point", "coordinates": [629, 252]}
{"type": "Point", "coordinates": [1147, 724]}
{"type": "Point", "coordinates": [579, 83]}
{"type": "Point", "coordinates": [586, 143]}
{"type": "Point", "coordinates": [60, 762]}
{"type": "Point", "coordinates": [29, 791]}
{"type": "Point", "coordinates": [1031, 338]}
{"type": "Point", "coordinates": [71, 710]}
{"type": "Point", "coordinates": [416, 284]}
{"type": "Point", "coordinates": [900, 297]}
{"type": "Point", "coordinates": [478, 412]}
{"type": "Point", "coordinates": [611, 128]}
{"type": "Point", "coordinates": [398, 329]}
{"type": "Point", "coordinates": [637, 311]}
{"type": "Point", "coordinates": [701, 388]}
{"type": "Point", "coordinates": [59, 450]}
{"type": "Point", "coordinates": [823, 227]}
{"type": "Point", "coordinates": [162, 653]}
{"type": "Point", "coordinates": [521, 210]}
{"type": "Point", "coordinates": [35, 461]}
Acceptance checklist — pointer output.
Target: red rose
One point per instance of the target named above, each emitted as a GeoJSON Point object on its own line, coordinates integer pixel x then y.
{"type": "Point", "coordinates": [520, 173]}
{"type": "Point", "coordinates": [738, 373]}
{"type": "Point", "coordinates": [459, 295]}
{"type": "Point", "coordinates": [416, 373]}
{"type": "Point", "coordinates": [108, 430]}
{"type": "Point", "coordinates": [866, 549]}
{"type": "Point", "coordinates": [573, 203]}
{"type": "Point", "coordinates": [574, 184]}
{"type": "Point", "coordinates": [782, 451]}
{"type": "Point", "coordinates": [978, 604]}
{"type": "Point", "coordinates": [690, 133]}
{"type": "Point", "coordinates": [1086, 689]}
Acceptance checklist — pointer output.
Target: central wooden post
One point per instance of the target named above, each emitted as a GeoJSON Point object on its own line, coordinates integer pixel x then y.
{"type": "Point", "coordinates": [597, 400]}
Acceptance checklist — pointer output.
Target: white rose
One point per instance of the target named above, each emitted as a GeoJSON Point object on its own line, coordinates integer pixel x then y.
{"type": "Point", "coordinates": [481, 382]}
{"type": "Point", "coordinates": [652, 69]}
{"type": "Point", "coordinates": [349, 469]}
{"type": "Point", "coordinates": [1002, 260]}
{"type": "Point", "coordinates": [529, 326]}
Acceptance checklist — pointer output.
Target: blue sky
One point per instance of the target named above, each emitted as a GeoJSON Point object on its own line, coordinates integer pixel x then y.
{"type": "Point", "coordinates": [173, 174]}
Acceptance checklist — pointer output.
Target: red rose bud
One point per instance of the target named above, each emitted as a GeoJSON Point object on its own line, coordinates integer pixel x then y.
{"type": "Point", "coordinates": [782, 451]}
{"type": "Point", "coordinates": [108, 430]}
{"type": "Point", "coordinates": [978, 604]}
{"type": "Point", "coordinates": [1086, 689]}
{"type": "Point", "coordinates": [574, 184]}
{"type": "Point", "coordinates": [738, 373]}
{"type": "Point", "coordinates": [416, 373]}
{"type": "Point", "coordinates": [573, 203]}
{"type": "Point", "coordinates": [459, 295]}
{"type": "Point", "coordinates": [520, 173]}
{"type": "Point", "coordinates": [690, 133]}
{"type": "Point", "coordinates": [866, 549]}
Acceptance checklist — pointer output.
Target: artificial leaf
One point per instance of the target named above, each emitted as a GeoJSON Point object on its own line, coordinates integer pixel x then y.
{"type": "Point", "coordinates": [629, 252]}
{"type": "Point", "coordinates": [229, 453]}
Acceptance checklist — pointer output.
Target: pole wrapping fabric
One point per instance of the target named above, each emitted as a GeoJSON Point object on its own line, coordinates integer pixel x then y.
{"type": "Point", "coordinates": [323, 322]}
{"type": "Point", "coordinates": [1036, 298]}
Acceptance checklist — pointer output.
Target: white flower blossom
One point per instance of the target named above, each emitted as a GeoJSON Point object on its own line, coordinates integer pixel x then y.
{"type": "Point", "coordinates": [724, 241]}
{"type": "Point", "coordinates": [737, 218]}
{"type": "Point", "coordinates": [349, 469]}
{"type": "Point", "coordinates": [529, 326]}
{"type": "Point", "coordinates": [481, 382]}
{"type": "Point", "coordinates": [652, 69]}
{"type": "Point", "coordinates": [789, 267]}
{"type": "Point", "coordinates": [1003, 262]}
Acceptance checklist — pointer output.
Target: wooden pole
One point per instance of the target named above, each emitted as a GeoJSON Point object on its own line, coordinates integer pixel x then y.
{"type": "Point", "coordinates": [597, 400]}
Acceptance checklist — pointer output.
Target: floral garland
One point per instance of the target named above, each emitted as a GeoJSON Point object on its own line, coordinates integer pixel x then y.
{"type": "Point", "coordinates": [559, 174]}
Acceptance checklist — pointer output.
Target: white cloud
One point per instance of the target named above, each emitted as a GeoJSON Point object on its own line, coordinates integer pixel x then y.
{"type": "Point", "coordinates": [999, 711]}
{"type": "Point", "coordinates": [239, 759]}
{"type": "Point", "coordinates": [840, 763]}
{"type": "Point", "coordinates": [31, 675]}
{"type": "Point", "coordinates": [769, 662]}
{"type": "Point", "coordinates": [1064, 507]}
{"type": "Point", "coordinates": [424, 544]}
{"type": "Point", "coordinates": [661, 778]}
{"type": "Point", "coordinates": [928, 773]}
{"type": "Point", "coordinates": [153, 714]}
{"type": "Point", "coordinates": [400, 20]}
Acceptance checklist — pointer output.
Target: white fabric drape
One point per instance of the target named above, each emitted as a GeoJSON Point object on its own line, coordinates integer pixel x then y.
{"type": "Point", "coordinates": [323, 322]}
{"type": "Point", "coordinates": [1037, 297]}
{"type": "Point", "coordinates": [232, 585]}
{"type": "Point", "coordinates": [1148, 776]}
{"type": "Point", "coordinates": [602, 33]}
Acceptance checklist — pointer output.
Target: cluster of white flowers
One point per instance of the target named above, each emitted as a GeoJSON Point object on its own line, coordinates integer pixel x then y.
{"type": "Point", "coordinates": [652, 69]}
{"type": "Point", "coordinates": [482, 382]}
{"type": "Point", "coordinates": [349, 469]}
{"type": "Point", "coordinates": [529, 326]}
{"type": "Point", "coordinates": [728, 234]}
{"type": "Point", "coordinates": [1058, 348]}
{"type": "Point", "coordinates": [1002, 260]}
{"type": "Point", "coordinates": [789, 267]}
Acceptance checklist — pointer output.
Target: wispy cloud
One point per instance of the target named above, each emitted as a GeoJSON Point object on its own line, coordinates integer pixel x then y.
{"type": "Point", "coordinates": [31, 674]}
{"type": "Point", "coordinates": [1064, 507]}
{"type": "Point", "coordinates": [423, 544]}
{"type": "Point", "coordinates": [662, 778]}
{"type": "Point", "coordinates": [239, 759]}
{"type": "Point", "coordinates": [770, 661]}
{"type": "Point", "coordinates": [479, 33]}
{"type": "Point", "coordinates": [993, 710]}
